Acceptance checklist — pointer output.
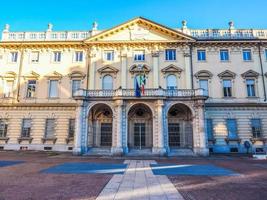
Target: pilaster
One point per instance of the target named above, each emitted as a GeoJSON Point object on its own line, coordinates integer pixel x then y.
{"type": "Point", "coordinates": [187, 69]}
{"type": "Point", "coordinates": [123, 70]}
{"type": "Point", "coordinates": [92, 72]}
{"type": "Point", "coordinates": [155, 57]}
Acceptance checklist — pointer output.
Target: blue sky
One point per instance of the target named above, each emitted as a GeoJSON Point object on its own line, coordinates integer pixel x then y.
{"type": "Point", "coordinates": [27, 15]}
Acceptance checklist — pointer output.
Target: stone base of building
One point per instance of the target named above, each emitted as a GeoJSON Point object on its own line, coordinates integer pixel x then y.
{"type": "Point", "coordinates": [201, 151]}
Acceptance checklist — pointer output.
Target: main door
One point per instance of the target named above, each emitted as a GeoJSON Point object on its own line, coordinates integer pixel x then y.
{"type": "Point", "coordinates": [139, 135]}
{"type": "Point", "coordinates": [106, 134]}
{"type": "Point", "coordinates": [174, 134]}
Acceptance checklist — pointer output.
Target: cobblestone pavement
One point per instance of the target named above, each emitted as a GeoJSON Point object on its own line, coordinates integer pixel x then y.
{"type": "Point", "coordinates": [139, 182]}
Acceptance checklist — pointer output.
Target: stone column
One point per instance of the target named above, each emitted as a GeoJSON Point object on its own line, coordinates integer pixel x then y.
{"type": "Point", "coordinates": [124, 74]}
{"type": "Point", "coordinates": [200, 139]}
{"type": "Point", "coordinates": [117, 144]}
{"type": "Point", "coordinates": [92, 74]}
{"type": "Point", "coordinates": [155, 57]}
{"type": "Point", "coordinates": [79, 129]}
{"type": "Point", "coordinates": [159, 149]}
{"type": "Point", "coordinates": [187, 62]}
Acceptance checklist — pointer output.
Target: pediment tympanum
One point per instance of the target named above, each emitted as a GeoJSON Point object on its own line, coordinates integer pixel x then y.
{"type": "Point", "coordinates": [108, 69]}
{"type": "Point", "coordinates": [227, 74]}
{"type": "Point", "coordinates": [250, 74]}
{"type": "Point", "coordinates": [171, 69]}
{"type": "Point", "coordinates": [142, 68]}
{"type": "Point", "coordinates": [203, 74]}
{"type": "Point", "coordinates": [77, 75]}
{"type": "Point", "coordinates": [31, 75]}
{"type": "Point", "coordinates": [54, 75]}
{"type": "Point", "coordinates": [139, 29]}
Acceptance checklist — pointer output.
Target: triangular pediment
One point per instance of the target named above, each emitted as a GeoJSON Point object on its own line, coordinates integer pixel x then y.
{"type": "Point", "coordinates": [54, 75]}
{"type": "Point", "coordinates": [77, 75]}
{"type": "Point", "coordinates": [227, 74]}
{"type": "Point", "coordinates": [250, 74]}
{"type": "Point", "coordinates": [203, 74]}
{"type": "Point", "coordinates": [172, 69]}
{"type": "Point", "coordinates": [139, 29]}
{"type": "Point", "coordinates": [31, 75]}
{"type": "Point", "coordinates": [107, 69]}
{"type": "Point", "coordinates": [9, 75]}
{"type": "Point", "coordinates": [141, 68]}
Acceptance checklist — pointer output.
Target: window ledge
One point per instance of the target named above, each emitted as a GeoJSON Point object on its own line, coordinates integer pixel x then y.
{"type": "Point", "coordinates": [53, 139]}
{"type": "Point", "coordinates": [225, 61]}
{"type": "Point", "coordinates": [229, 98]}
{"type": "Point", "coordinates": [247, 60]}
{"type": "Point", "coordinates": [255, 97]}
{"type": "Point", "coordinates": [4, 139]}
{"type": "Point", "coordinates": [29, 139]}
{"type": "Point", "coordinates": [254, 140]}
{"type": "Point", "coordinates": [227, 140]}
{"type": "Point", "coordinates": [69, 139]}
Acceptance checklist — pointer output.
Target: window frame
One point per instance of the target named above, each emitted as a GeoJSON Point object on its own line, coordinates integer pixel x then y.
{"type": "Point", "coordinates": [57, 56]}
{"type": "Point", "coordinates": [71, 131]}
{"type": "Point", "coordinates": [5, 127]}
{"type": "Point", "coordinates": [227, 92]}
{"type": "Point", "coordinates": [254, 87]}
{"type": "Point", "coordinates": [171, 57]}
{"type": "Point", "coordinates": [211, 135]}
{"type": "Point", "coordinates": [229, 135]}
{"type": "Point", "coordinates": [206, 91]}
{"type": "Point", "coordinates": [139, 57]}
{"type": "Point", "coordinates": [78, 56]}
{"type": "Point", "coordinates": [38, 57]}
{"type": "Point", "coordinates": [105, 57]}
{"type": "Point", "coordinates": [224, 58]}
{"type": "Point", "coordinates": [103, 79]}
{"type": "Point", "coordinates": [16, 57]}
{"type": "Point", "coordinates": [170, 87]}
{"type": "Point", "coordinates": [46, 136]}
{"type": "Point", "coordinates": [49, 89]}
{"type": "Point", "coordinates": [260, 128]}
{"type": "Point", "coordinates": [10, 92]}
{"type": "Point", "coordinates": [72, 86]}
{"type": "Point", "coordinates": [245, 58]}
{"type": "Point", "coordinates": [201, 58]}
{"type": "Point", "coordinates": [27, 89]}
{"type": "Point", "coordinates": [24, 128]}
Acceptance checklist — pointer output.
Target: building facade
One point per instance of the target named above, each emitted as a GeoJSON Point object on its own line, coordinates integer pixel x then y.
{"type": "Point", "coordinates": [200, 91]}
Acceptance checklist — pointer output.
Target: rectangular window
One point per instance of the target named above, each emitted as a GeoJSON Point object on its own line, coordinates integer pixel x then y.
{"type": "Point", "coordinates": [209, 128]}
{"type": "Point", "coordinates": [139, 55]}
{"type": "Point", "coordinates": [203, 83]}
{"type": "Point", "coordinates": [50, 128]}
{"type": "Point", "coordinates": [246, 54]}
{"type": "Point", "coordinates": [201, 55]}
{"type": "Point", "coordinates": [57, 56]}
{"type": "Point", "coordinates": [227, 88]}
{"type": "Point", "coordinates": [232, 128]}
{"type": "Point", "coordinates": [76, 84]}
{"type": "Point", "coordinates": [170, 54]}
{"type": "Point", "coordinates": [26, 128]}
{"type": "Point", "coordinates": [31, 87]}
{"type": "Point", "coordinates": [224, 55]}
{"type": "Point", "coordinates": [8, 89]}
{"type": "Point", "coordinates": [14, 57]}
{"type": "Point", "coordinates": [53, 89]}
{"type": "Point", "coordinates": [109, 55]}
{"type": "Point", "coordinates": [3, 128]}
{"type": "Point", "coordinates": [35, 57]}
{"type": "Point", "coordinates": [71, 128]}
{"type": "Point", "coordinates": [78, 56]}
{"type": "Point", "coordinates": [256, 128]}
{"type": "Point", "coordinates": [251, 87]}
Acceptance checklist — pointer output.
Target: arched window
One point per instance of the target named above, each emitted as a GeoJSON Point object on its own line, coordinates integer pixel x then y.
{"type": "Point", "coordinates": [171, 82]}
{"type": "Point", "coordinates": [107, 83]}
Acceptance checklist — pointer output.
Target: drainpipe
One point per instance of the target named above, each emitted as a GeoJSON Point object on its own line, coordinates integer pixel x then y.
{"type": "Point", "coordinates": [19, 74]}
{"type": "Point", "coordinates": [191, 66]}
{"type": "Point", "coordinates": [262, 74]}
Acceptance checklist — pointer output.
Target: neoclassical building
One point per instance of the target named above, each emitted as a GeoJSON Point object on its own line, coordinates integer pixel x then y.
{"type": "Point", "coordinates": [204, 90]}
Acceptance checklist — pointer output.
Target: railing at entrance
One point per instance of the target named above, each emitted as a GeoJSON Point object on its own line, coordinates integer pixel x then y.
{"type": "Point", "coordinates": [147, 93]}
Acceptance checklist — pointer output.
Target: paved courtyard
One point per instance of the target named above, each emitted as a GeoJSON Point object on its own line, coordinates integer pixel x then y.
{"type": "Point", "coordinates": [44, 175]}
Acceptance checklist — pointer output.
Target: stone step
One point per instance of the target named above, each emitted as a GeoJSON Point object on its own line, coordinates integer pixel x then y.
{"type": "Point", "coordinates": [139, 152]}
{"type": "Point", "coordinates": [181, 152]}
{"type": "Point", "coordinates": [99, 151]}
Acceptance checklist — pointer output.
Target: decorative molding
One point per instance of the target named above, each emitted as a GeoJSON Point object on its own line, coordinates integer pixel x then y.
{"type": "Point", "coordinates": [250, 74]}
{"type": "Point", "coordinates": [54, 75]}
{"type": "Point", "coordinates": [31, 75]}
{"type": "Point", "coordinates": [107, 70]}
{"type": "Point", "coordinates": [76, 75]}
{"type": "Point", "coordinates": [171, 69]}
{"type": "Point", "coordinates": [203, 74]}
{"type": "Point", "coordinates": [10, 75]}
{"type": "Point", "coordinates": [135, 69]}
{"type": "Point", "coordinates": [227, 74]}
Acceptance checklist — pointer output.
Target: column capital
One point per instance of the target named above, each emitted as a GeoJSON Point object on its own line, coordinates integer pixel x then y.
{"type": "Point", "coordinates": [187, 54]}
{"type": "Point", "coordinates": [155, 53]}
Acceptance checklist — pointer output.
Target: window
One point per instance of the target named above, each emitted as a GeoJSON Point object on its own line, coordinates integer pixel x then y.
{"type": "Point", "coordinates": [139, 55]}
{"type": "Point", "coordinates": [3, 128]}
{"type": "Point", "coordinates": [227, 88]}
{"type": "Point", "coordinates": [71, 128]}
{"type": "Point", "coordinates": [57, 56]}
{"type": "Point", "coordinates": [53, 89]}
{"type": "Point", "coordinates": [246, 54]}
{"type": "Point", "coordinates": [108, 55]}
{"type": "Point", "coordinates": [31, 87]}
{"type": "Point", "coordinates": [201, 55]}
{"type": "Point", "coordinates": [203, 83]}
{"type": "Point", "coordinates": [26, 128]}
{"type": "Point", "coordinates": [171, 82]}
{"type": "Point", "coordinates": [107, 83]}
{"type": "Point", "coordinates": [8, 89]}
{"type": "Point", "coordinates": [35, 57]}
{"type": "Point", "coordinates": [251, 87]}
{"type": "Point", "coordinates": [224, 55]}
{"type": "Point", "coordinates": [50, 128]}
{"type": "Point", "coordinates": [170, 54]}
{"type": "Point", "coordinates": [76, 84]}
{"type": "Point", "coordinates": [232, 128]}
{"type": "Point", "coordinates": [13, 57]}
{"type": "Point", "coordinates": [256, 128]}
{"type": "Point", "coordinates": [209, 128]}
{"type": "Point", "coordinates": [78, 56]}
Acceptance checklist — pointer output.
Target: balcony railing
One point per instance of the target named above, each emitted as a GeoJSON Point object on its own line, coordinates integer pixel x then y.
{"type": "Point", "coordinates": [147, 93]}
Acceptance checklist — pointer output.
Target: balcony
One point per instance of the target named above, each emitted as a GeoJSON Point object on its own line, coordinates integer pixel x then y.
{"type": "Point", "coordinates": [149, 93]}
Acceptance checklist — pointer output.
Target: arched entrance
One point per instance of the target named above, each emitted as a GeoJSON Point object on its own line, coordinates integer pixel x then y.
{"type": "Point", "coordinates": [100, 126]}
{"type": "Point", "coordinates": [140, 130]}
{"type": "Point", "coordinates": [180, 128]}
